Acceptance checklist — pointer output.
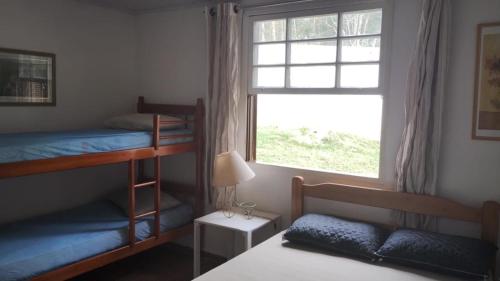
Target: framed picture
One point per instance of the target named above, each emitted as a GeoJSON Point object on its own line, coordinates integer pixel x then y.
{"type": "Point", "coordinates": [486, 121]}
{"type": "Point", "coordinates": [27, 78]}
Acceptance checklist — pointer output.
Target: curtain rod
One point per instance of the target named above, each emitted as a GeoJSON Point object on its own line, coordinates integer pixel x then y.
{"type": "Point", "coordinates": [238, 7]}
{"type": "Point", "coordinates": [275, 4]}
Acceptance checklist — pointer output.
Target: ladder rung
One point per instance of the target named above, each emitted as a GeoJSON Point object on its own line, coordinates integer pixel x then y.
{"type": "Point", "coordinates": [176, 136]}
{"type": "Point", "coordinates": [169, 122]}
{"type": "Point", "coordinates": [145, 214]}
{"type": "Point", "coordinates": [145, 184]}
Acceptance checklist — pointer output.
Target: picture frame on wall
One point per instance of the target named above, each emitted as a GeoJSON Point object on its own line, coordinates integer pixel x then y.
{"type": "Point", "coordinates": [27, 78]}
{"type": "Point", "coordinates": [486, 119]}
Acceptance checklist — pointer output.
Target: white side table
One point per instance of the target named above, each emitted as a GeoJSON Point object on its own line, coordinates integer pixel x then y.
{"type": "Point", "coordinates": [237, 223]}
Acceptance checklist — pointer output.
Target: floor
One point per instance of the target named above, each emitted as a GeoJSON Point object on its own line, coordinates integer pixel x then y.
{"type": "Point", "coordinates": [169, 262]}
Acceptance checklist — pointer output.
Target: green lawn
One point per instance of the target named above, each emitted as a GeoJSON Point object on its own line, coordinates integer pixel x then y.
{"type": "Point", "coordinates": [340, 152]}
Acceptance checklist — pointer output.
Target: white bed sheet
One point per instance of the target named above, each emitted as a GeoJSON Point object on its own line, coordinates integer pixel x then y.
{"type": "Point", "coordinates": [273, 261]}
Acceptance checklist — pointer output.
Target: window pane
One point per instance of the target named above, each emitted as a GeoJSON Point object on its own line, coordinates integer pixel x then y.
{"type": "Point", "coordinates": [270, 30]}
{"type": "Point", "coordinates": [313, 52]}
{"type": "Point", "coordinates": [323, 26]}
{"type": "Point", "coordinates": [359, 76]}
{"type": "Point", "coordinates": [269, 54]}
{"type": "Point", "coordinates": [367, 49]}
{"type": "Point", "coordinates": [361, 23]}
{"type": "Point", "coordinates": [312, 76]}
{"type": "Point", "coordinates": [271, 77]}
{"type": "Point", "coordinates": [349, 142]}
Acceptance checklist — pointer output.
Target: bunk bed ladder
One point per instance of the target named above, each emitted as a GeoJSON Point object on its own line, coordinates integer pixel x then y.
{"type": "Point", "coordinates": [155, 183]}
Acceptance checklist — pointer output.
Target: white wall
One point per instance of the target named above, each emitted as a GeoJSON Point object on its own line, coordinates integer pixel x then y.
{"type": "Point", "coordinates": [171, 56]}
{"type": "Point", "coordinates": [174, 68]}
{"type": "Point", "coordinates": [469, 168]}
{"type": "Point", "coordinates": [95, 63]}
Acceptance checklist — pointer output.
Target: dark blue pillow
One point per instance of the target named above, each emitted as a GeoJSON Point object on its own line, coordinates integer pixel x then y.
{"type": "Point", "coordinates": [448, 254]}
{"type": "Point", "coordinates": [331, 233]}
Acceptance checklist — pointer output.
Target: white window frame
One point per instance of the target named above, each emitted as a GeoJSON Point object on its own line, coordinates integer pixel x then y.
{"type": "Point", "coordinates": [291, 10]}
{"type": "Point", "coordinates": [320, 8]}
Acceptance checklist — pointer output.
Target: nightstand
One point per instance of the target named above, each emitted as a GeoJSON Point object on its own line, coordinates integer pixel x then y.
{"type": "Point", "coordinates": [237, 223]}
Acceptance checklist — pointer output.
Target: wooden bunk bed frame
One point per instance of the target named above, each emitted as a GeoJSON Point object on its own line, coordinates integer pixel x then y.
{"type": "Point", "coordinates": [136, 175]}
{"type": "Point", "coordinates": [486, 216]}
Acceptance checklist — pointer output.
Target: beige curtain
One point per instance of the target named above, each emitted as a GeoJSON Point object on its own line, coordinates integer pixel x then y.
{"type": "Point", "coordinates": [418, 155]}
{"type": "Point", "coordinates": [224, 24]}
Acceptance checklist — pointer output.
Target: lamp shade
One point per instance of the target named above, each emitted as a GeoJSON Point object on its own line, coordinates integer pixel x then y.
{"type": "Point", "coordinates": [230, 169]}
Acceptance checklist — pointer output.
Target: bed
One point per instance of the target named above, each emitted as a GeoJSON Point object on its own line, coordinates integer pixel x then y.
{"type": "Point", "coordinates": [43, 145]}
{"type": "Point", "coordinates": [62, 246]}
{"type": "Point", "coordinates": [271, 260]}
{"type": "Point", "coordinates": [32, 247]}
{"type": "Point", "coordinates": [59, 151]}
{"type": "Point", "coordinates": [276, 259]}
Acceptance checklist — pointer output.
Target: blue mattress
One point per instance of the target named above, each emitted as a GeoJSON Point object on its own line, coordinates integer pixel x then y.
{"type": "Point", "coordinates": [35, 246]}
{"type": "Point", "coordinates": [42, 145]}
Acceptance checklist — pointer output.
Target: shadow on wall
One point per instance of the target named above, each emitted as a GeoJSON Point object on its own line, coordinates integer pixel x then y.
{"type": "Point", "coordinates": [36, 195]}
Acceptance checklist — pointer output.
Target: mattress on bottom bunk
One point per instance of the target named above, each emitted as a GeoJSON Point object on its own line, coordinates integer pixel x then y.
{"type": "Point", "coordinates": [35, 246]}
{"type": "Point", "coordinates": [41, 145]}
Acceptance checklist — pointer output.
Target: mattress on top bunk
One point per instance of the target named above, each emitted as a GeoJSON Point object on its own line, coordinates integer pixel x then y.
{"type": "Point", "coordinates": [35, 246]}
{"type": "Point", "coordinates": [41, 145]}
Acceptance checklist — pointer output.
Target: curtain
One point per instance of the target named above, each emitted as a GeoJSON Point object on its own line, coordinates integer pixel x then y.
{"type": "Point", "coordinates": [418, 155]}
{"type": "Point", "coordinates": [224, 24]}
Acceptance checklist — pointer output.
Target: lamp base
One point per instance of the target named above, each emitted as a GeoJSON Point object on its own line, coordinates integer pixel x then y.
{"type": "Point", "coordinates": [227, 207]}
{"type": "Point", "coordinates": [228, 212]}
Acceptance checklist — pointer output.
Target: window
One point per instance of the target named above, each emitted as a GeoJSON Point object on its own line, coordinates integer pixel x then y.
{"type": "Point", "coordinates": [338, 50]}
{"type": "Point", "coordinates": [315, 91]}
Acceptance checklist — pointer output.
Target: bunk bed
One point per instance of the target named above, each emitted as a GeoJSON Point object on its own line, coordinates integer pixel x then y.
{"type": "Point", "coordinates": [63, 245]}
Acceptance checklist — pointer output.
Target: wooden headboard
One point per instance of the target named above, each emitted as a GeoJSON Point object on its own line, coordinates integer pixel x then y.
{"type": "Point", "coordinates": [173, 109]}
{"type": "Point", "coordinates": [486, 216]}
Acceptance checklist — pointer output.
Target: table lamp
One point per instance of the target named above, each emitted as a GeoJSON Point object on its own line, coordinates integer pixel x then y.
{"type": "Point", "coordinates": [229, 170]}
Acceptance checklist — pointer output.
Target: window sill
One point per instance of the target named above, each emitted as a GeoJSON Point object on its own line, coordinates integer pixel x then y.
{"type": "Point", "coordinates": [319, 176]}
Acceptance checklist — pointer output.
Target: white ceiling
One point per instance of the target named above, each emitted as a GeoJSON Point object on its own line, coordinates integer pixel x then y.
{"type": "Point", "coordinates": [144, 6]}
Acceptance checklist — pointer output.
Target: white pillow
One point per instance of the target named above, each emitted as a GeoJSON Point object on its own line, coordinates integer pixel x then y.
{"type": "Point", "coordinates": [139, 122]}
{"type": "Point", "coordinates": [144, 200]}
